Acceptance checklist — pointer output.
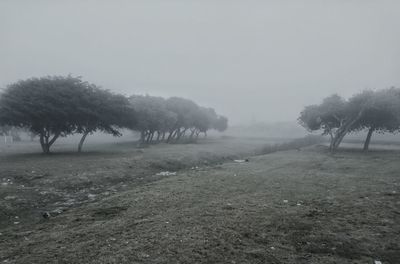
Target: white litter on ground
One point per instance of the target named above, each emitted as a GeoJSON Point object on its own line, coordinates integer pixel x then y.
{"type": "Point", "coordinates": [241, 161]}
{"type": "Point", "coordinates": [285, 201]}
{"type": "Point", "coordinates": [57, 211]}
{"type": "Point", "coordinates": [377, 262]}
{"type": "Point", "coordinates": [166, 173]}
{"type": "Point", "coordinates": [10, 197]}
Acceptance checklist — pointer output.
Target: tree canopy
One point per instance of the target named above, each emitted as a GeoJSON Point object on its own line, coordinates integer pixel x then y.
{"type": "Point", "coordinates": [57, 106]}
{"type": "Point", "coordinates": [369, 110]}
{"type": "Point", "coordinates": [101, 110]}
{"type": "Point", "coordinates": [45, 106]}
{"type": "Point", "coordinates": [172, 119]}
{"type": "Point", "coordinates": [381, 114]}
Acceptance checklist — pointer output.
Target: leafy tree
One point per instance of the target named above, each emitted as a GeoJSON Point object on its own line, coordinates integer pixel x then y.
{"type": "Point", "coordinates": [101, 110]}
{"type": "Point", "coordinates": [329, 116]}
{"type": "Point", "coordinates": [152, 116]}
{"type": "Point", "coordinates": [57, 106]}
{"type": "Point", "coordinates": [41, 105]}
{"type": "Point", "coordinates": [381, 114]}
{"type": "Point", "coordinates": [185, 111]}
{"type": "Point", "coordinates": [179, 117]}
{"type": "Point", "coordinates": [204, 118]}
{"type": "Point", "coordinates": [375, 111]}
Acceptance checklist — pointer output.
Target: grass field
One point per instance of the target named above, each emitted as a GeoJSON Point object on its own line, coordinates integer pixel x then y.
{"type": "Point", "coordinates": [109, 205]}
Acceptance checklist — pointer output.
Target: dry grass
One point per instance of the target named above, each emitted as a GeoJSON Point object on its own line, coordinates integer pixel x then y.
{"type": "Point", "coordinates": [303, 206]}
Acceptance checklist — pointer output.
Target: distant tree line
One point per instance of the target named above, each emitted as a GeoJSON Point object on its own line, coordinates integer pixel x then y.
{"type": "Point", "coordinates": [371, 111]}
{"type": "Point", "coordinates": [172, 119]}
{"type": "Point", "coordinates": [57, 106]}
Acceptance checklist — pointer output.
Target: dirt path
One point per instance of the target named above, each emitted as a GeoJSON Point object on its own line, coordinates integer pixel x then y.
{"type": "Point", "coordinates": [287, 207]}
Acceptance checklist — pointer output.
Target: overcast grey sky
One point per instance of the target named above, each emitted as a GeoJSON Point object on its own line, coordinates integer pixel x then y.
{"type": "Point", "coordinates": [250, 60]}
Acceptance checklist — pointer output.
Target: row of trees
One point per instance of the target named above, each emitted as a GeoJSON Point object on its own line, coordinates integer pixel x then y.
{"type": "Point", "coordinates": [172, 119]}
{"type": "Point", "coordinates": [57, 106]}
{"type": "Point", "coordinates": [371, 111]}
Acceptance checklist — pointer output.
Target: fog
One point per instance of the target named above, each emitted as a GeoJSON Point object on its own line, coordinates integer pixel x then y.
{"type": "Point", "coordinates": [253, 61]}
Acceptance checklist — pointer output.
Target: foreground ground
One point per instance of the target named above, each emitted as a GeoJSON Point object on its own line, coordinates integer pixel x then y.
{"type": "Point", "coordinates": [295, 206]}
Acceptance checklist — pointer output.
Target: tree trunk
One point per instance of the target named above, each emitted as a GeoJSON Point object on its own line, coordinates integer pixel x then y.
{"type": "Point", "coordinates": [142, 136]}
{"type": "Point", "coordinates": [338, 139]}
{"type": "Point", "coordinates": [170, 136]}
{"type": "Point", "coordinates": [173, 134]}
{"type": "Point", "coordinates": [368, 139]}
{"type": "Point", "coordinates": [82, 140]}
{"type": "Point", "coordinates": [343, 130]}
{"type": "Point", "coordinates": [331, 142]}
{"type": "Point", "coordinates": [181, 134]}
{"type": "Point", "coordinates": [53, 139]}
{"type": "Point", "coordinates": [150, 136]}
{"type": "Point", "coordinates": [178, 134]}
{"type": "Point", "coordinates": [158, 136]}
{"type": "Point", "coordinates": [192, 133]}
{"type": "Point", "coordinates": [184, 133]}
{"type": "Point", "coordinates": [45, 142]}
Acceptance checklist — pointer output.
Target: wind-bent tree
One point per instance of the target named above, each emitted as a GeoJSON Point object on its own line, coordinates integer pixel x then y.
{"type": "Point", "coordinates": [185, 111]}
{"type": "Point", "coordinates": [176, 117]}
{"type": "Point", "coordinates": [58, 106]}
{"type": "Point", "coordinates": [101, 110]}
{"type": "Point", "coordinates": [381, 114]}
{"type": "Point", "coordinates": [355, 108]}
{"type": "Point", "coordinates": [204, 118]}
{"type": "Point", "coordinates": [329, 116]}
{"type": "Point", "coordinates": [375, 111]}
{"type": "Point", "coordinates": [152, 117]}
{"type": "Point", "coordinates": [41, 105]}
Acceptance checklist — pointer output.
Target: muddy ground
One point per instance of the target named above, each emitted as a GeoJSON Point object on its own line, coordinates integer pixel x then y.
{"type": "Point", "coordinates": [110, 206]}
